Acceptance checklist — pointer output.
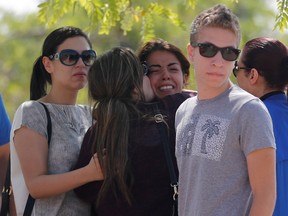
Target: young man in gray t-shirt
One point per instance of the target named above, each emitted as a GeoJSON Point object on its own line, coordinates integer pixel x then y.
{"type": "Point", "coordinates": [225, 145]}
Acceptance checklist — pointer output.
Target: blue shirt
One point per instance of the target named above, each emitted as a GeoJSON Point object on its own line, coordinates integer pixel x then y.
{"type": "Point", "coordinates": [5, 124]}
{"type": "Point", "coordinates": [277, 105]}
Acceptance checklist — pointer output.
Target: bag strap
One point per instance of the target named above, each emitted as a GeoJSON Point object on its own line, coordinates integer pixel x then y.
{"type": "Point", "coordinates": [30, 201]}
{"type": "Point", "coordinates": [162, 127]}
{"type": "Point", "coordinates": [49, 124]}
{"type": "Point", "coordinates": [6, 192]}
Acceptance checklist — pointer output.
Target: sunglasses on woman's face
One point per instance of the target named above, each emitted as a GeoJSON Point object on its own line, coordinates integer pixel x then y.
{"type": "Point", "coordinates": [209, 50]}
{"type": "Point", "coordinates": [70, 57]}
{"type": "Point", "coordinates": [236, 69]}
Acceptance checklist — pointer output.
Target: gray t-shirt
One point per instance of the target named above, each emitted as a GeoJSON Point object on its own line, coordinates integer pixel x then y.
{"type": "Point", "coordinates": [213, 139]}
{"type": "Point", "coordinates": [69, 124]}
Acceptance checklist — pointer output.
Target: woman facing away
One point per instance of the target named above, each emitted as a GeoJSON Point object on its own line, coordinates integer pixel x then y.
{"type": "Point", "coordinates": [44, 170]}
{"type": "Point", "coordinates": [168, 67]}
{"type": "Point", "coordinates": [126, 139]}
{"type": "Point", "coordinates": [262, 70]}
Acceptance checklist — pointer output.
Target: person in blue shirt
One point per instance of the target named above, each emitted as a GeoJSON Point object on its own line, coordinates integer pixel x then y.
{"type": "Point", "coordinates": [262, 70]}
{"type": "Point", "coordinates": [5, 127]}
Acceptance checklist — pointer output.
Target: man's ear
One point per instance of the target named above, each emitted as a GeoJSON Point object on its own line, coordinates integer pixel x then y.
{"type": "Point", "coordinates": [47, 64]}
{"type": "Point", "coordinates": [253, 76]}
{"type": "Point", "coordinates": [190, 51]}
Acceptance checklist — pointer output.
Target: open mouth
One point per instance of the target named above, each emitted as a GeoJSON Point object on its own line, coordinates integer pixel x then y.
{"type": "Point", "coordinates": [167, 87]}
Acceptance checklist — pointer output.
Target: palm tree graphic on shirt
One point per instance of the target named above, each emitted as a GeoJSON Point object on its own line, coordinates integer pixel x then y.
{"type": "Point", "coordinates": [210, 129]}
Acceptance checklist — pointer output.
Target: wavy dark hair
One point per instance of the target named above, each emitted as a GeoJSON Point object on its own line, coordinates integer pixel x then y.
{"type": "Point", "coordinates": [270, 57]}
{"type": "Point", "coordinates": [111, 80]}
{"type": "Point", "coordinates": [161, 45]}
{"type": "Point", "coordinates": [40, 77]}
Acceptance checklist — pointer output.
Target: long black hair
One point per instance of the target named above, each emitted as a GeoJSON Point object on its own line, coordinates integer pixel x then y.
{"type": "Point", "coordinates": [40, 77]}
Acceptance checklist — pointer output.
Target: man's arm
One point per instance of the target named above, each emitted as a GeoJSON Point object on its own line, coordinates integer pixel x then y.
{"type": "Point", "coordinates": [262, 174]}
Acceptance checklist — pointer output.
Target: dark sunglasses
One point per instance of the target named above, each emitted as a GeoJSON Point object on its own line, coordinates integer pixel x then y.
{"type": "Point", "coordinates": [209, 50]}
{"type": "Point", "coordinates": [237, 68]}
{"type": "Point", "coordinates": [70, 57]}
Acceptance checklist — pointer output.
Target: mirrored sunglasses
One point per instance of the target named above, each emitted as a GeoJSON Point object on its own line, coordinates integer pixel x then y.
{"type": "Point", "coordinates": [209, 50]}
{"type": "Point", "coordinates": [70, 57]}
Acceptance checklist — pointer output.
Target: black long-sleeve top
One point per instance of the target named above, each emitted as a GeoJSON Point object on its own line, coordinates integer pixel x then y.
{"type": "Point", "coordinates": [151, 190]}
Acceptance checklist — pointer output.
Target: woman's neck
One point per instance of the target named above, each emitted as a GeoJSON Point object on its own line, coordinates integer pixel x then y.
{"type": "Point", "coordinates": [61, 97]}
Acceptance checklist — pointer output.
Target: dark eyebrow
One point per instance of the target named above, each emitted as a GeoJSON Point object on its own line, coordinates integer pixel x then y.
{"type": "Point", "coordinates": [173, 63]}
{"type": "Point", "coordinates": [155, 65]}
{"type": "Point", "coordinates": [159, 66]}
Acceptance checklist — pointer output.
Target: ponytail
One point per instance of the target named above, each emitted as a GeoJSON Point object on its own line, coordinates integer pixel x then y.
{"type": "Point", "coordinates": [111, 138]}
{"type": "Point", "coordinates": [111, 81]}
{"type": "Point", "coordinates": [39, 79]}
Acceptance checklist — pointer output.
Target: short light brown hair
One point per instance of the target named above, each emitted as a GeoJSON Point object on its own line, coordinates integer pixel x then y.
{"type": "Point", "coordinates": [218, 16]}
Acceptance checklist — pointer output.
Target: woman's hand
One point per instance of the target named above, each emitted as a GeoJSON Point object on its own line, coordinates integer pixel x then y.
{"type": "Point", "coordinates": [147, 89]}
{"type": "Point", "coordinates": [95, 169]}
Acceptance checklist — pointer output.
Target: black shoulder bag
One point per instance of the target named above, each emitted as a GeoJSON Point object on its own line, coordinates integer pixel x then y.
{"type": "Point", "coordinates": [162, 127]}
{"type": "Point", "coordinates": [30, 201]}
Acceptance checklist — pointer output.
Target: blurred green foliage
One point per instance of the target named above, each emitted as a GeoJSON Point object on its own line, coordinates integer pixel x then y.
{"type": "Point", "coordinates": [21, 36]}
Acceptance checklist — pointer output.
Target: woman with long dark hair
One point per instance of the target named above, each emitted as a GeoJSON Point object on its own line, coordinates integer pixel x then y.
{"type": "Point", "coordinates": [39, 167]}
{"type": "Point", "coordinates": [126, 138]}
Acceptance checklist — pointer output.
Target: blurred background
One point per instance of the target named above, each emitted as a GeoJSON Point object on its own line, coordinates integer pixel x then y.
{"type": "Point", "coordinates": [22, 34]}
